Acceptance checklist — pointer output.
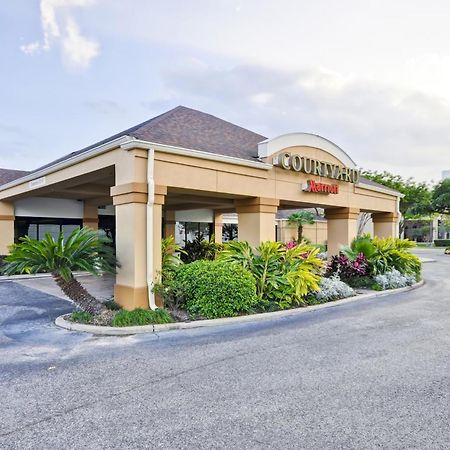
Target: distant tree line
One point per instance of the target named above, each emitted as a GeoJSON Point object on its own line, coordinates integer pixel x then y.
{"type": "Point", "coordinates": [419, 198]}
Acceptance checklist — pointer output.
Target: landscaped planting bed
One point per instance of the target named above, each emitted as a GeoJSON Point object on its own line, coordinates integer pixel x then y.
{"type": "Point", "coordinates": [219, 281]}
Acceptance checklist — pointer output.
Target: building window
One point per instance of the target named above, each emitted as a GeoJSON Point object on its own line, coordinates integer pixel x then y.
{"type": "Point", "coordinates": [229, 232]}
{"type": "Point", "coordinates": [38, 227]}
{"type": "Point", "coordinates": [188, 231]}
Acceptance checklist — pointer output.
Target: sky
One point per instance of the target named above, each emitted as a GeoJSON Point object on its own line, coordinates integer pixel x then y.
{"type": "Point", "coordinates": [371, 76]}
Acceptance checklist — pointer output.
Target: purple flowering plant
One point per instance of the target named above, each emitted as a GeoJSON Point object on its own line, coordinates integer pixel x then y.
{"type": "Point", "coordinates": [347, 268]}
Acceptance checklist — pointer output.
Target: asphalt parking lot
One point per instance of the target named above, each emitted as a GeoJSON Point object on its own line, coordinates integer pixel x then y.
{"type": "Point", "coordinates": [369, 374]}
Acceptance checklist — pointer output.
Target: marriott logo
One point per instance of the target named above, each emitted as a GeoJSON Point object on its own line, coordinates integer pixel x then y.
{"type": "Point", "coordinates": [320, 188]}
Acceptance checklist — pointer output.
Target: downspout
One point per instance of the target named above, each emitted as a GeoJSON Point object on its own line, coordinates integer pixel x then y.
{"type": "Point", "coordinates": [149, 244]}
{"type": "Point", "coordinates": [399, 215]}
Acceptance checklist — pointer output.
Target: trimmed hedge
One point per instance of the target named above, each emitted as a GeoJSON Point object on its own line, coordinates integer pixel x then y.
{"type": "Point", "coordinates": [214, 289]}
{"type": "Point", "coordinates": [442, 242]}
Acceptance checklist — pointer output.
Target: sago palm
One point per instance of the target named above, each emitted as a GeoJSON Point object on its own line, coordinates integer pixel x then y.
{"type": "Point", "coordinates": [84, 249]}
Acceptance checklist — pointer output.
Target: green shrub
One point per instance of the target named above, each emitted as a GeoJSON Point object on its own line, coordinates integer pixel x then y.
{"type": "Point", "coordinates": [200, 248]}
{"type": "Point", "coordinates": [140, 316]}
{"type": "Point", "coordinates": [360, 282]}
{"type": "Point", "coordinates": [215, 289]}
{"type": "Point", "coordinates": [284, 276]}
{"type": "Point", "coordinates": [81, 317]}
{"type": "Point", "coordinates": [442, 242]}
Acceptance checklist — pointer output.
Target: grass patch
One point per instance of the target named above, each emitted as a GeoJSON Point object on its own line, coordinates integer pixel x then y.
{"type": "Point", "coordinates": [112, 305]}
{"type": "Point", "coordinates": [81, 317]}
{"type": "Point", "coordinates": [141, 317]}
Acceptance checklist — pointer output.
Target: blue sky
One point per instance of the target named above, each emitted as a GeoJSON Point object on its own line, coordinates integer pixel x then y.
{"type": "Point", "coordinates": [371, 76]}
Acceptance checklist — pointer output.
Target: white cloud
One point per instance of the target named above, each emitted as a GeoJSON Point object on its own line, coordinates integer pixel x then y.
{"type": "Point", "coordinates": [381, 126]}
{"type": "Point", "coordinates": [31, 48]}
{"type": "Point", "coordinates": [78, 50]}
{"type": "Point", "coordinates": [60, 28]}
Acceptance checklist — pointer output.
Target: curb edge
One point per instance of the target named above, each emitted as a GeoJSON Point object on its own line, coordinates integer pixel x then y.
{"type": "Point", "coordinates": [61, 322]}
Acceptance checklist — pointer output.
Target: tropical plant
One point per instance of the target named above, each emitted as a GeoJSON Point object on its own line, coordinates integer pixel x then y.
{"type": "Point", "coordinates": [215, 289]}
{"type": "Point", "coordinates": [84, 249]}
{"type": "Point", "coordinates": [170, 252]}
{"type": "Point", "coordinates": [300, 219]}
{"type": "Point", "coordinates": [393, 253]}
{"type": "Point", "coordinates": [200, 248]}
{"type": "Point", "coordinates": [283, 276]}
{"type": "Point", "coordinates": [346, 268]}
{"type": "Point", "coordinates": [382, 255]}
{"type": "Point", "coordinates": [360, 245]}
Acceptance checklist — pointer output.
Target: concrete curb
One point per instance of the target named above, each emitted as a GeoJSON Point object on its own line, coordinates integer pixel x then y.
{"type": "Point", "coordinates": [124, 331]}
{"type": "Point", "coordinates": [36, 276]}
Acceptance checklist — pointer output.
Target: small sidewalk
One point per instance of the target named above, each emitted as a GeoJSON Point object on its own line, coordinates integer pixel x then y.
{"type": "Point", "coordinates": [100, 287]}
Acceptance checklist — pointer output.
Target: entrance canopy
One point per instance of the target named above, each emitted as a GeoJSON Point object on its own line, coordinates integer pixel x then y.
{"type": "Point", "coordinates": [189, 160]}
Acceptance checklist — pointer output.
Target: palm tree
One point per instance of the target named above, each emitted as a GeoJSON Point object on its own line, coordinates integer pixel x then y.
{"type": "Point", "coordinates": [84, 249]}
{"type": "Point", "coordinates": [301, 218]}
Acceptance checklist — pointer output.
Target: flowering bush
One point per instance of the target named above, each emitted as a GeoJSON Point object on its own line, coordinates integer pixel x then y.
{"type": "Point", "coordinates": [332, 289]}
{"type": "Point", "coordinates": [393, 280]}
{"type": "Point", "coordinates": [290, 244]}
{"type": "Point", "coordinates": [347, 268]}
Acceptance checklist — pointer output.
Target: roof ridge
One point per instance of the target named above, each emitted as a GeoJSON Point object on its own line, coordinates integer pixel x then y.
{"type": "Point", "coordinates": [155, 119]}
{"type": "Point", "coordinates": [243, 145]}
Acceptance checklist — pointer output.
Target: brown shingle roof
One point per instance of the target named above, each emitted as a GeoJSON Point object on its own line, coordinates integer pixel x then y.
{"type": "Point", "coordinates": [187, 128]}
{"type": "Point", "coordinates": [7, 175]}
{"type": "Point", "coordinates": [192, 129]}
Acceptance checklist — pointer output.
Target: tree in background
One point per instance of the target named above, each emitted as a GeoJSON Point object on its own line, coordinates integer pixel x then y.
{"type": "Point", "coordinates": [417, 200]}
{"type": "Point", "coordinates": [441, 197]}
{"type": "Point", "coordinates": [299, 219]}
{"type": "Point", "coordinates": [363, 220]}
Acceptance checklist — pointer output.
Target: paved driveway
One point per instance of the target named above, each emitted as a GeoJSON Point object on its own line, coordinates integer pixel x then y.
{"type": "Point", "coordinates": [370, 374]}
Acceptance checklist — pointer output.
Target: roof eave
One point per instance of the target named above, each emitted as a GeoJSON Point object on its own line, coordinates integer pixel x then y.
{"type": "Point", "coordinates": [381, 189]}
{"type": "Point", "coordinates": [127, 142]}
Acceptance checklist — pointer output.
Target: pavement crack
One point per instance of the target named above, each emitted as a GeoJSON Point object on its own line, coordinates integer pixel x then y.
{"type": "Point", "coordinates": [124, 391]}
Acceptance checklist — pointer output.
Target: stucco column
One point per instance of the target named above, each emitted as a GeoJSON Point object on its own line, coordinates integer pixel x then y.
{"type": "Point", "coordinates": [130, 199]}
{"type": "Point", "coordinates": [6, 226]}
{"type": "Point", "coordinates": [256, 219]}
{"type": "Point", "coordinates": [341, 228]}
{"type": "Point", "coordinates": [217, 227]}
{"type": "Point", "coordinates": [90, 216]}
{"type": "Point", "coordinates": [169, 223]}
{"type": "Point", "coordinates": [385, 224]}
{"type": "Point", "coordinates": [158, 202]}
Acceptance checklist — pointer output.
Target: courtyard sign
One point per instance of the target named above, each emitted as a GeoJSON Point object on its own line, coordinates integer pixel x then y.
{"type": "Point", "coordinates": [312, 166]}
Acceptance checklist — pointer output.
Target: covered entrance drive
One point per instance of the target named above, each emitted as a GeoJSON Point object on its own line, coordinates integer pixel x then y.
{"type": "Point", "coordinates": [145, 177]}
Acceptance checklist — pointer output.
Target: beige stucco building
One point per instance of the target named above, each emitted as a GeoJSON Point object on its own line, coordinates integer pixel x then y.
{"type": "Point", "coordinates": [139, 181]}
